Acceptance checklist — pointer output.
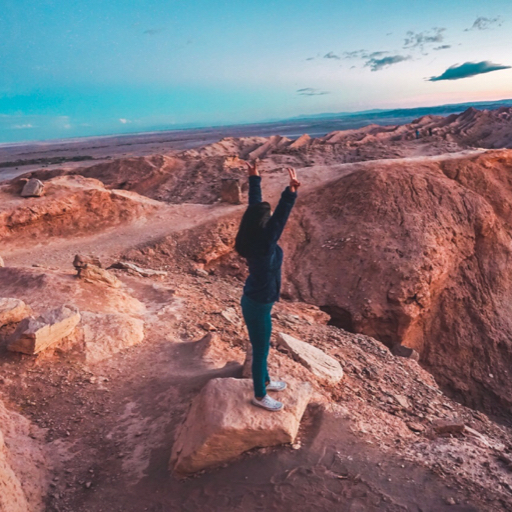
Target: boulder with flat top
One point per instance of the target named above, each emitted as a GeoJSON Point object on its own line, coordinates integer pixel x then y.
{"type": "Point", "coordinates": [36, 334]}
{"type": "Point", "coordinates": [222, 424]}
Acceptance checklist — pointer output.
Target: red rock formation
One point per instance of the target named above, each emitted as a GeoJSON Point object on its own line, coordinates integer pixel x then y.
{"type": "Point", "coordinates": [419, 254]}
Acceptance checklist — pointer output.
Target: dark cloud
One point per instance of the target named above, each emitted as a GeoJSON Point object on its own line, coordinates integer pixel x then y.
{"type": "Point", "coordinates": [310, 58]}
{"type": "Point", "coordinates": [356, 54]}
{"type": "Point", "coordinates": [331, 55]}
{"type": "Point", "coordinates": [420, 39]}
{"type": "Point", "coordinates": [378, 64]}
{"type": "Point", "coordinates": [443, 47]}
{"type": "Point", "coordinates": [310, 91]}
{"type": "Point", "coordinates": [152, 31]}
{"type": "Point", "coordinates": [482, 23]}
{"type": "Point", "coordinates": [468, 69]}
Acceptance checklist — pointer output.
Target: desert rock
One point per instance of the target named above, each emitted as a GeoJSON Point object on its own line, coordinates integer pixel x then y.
{"type": "Point", "coordinates": [2, 264]}
{"type": "Point", "coordinates": [81, 261]}
{"type": "Point", "coordinates": [12, 311]}
{"type": "Point", "coordinates": [222, 424]}
{"type": "Point", "coordinates": [36, 334]}
{"type": "Point", "coordinates": [317, 361]}
{"type": "Point", "coordinates": [144, 272]}
{"type": "Point", "coordinates": [92, 273]}
{"type": "Point", "coordinates": [106, 334]}
{"type": "Point", "coordinates": [33, 188]}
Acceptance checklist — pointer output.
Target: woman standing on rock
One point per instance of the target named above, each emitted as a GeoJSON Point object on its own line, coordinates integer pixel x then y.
{"type": "Point", "coordinates": [256, 241]}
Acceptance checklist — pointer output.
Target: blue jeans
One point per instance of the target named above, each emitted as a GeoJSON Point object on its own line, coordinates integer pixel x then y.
{"type": "Point", "coordinates": [259, 324]}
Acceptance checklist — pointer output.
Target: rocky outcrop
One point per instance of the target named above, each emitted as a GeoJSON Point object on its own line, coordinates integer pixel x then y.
{"type": "Point", "coordinates": [320, 364]}
{"type": "Point", "coordinates": [416, 254]}
{"type": "Point", "coordinates": [12, 311]}
{"type": "Point", "coordinates": [70, 205]}
{"type": "Point", "coordinates": [36, 334]}
{"type": "Point", "coordinates": [222, 424]}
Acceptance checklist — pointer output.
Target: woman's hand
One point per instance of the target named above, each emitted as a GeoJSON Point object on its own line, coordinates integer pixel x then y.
{"type": "Point", "coordinates": [253, 171]}
{"type": "Point", "coordinates": [294, 182]}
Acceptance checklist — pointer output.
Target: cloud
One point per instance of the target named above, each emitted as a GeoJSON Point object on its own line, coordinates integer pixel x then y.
{"type": "Point", "coordinates": [420, 39]}
{"type": "Point", "coordinates": [482, 23]}
{"type": "Point", "coordinates": [310, 58]}
{"type": "Point", "coordinates": [468, 69]}
{"type": "Point", "coordinates": [23, 126]}
{"type": "Point", "coordinates": [124, 121]}
{"type": "Point", "coordinates": [331, 55]}
{"type": "Point", "coordinates": [152, 31]}
{"type": "Point", "coordinates": [443, 47]}
{"type": "Point", "coordinates": [356, 54]}
{"type": "Point", "coordinates": [310, 91]}
{"type": "Point", "coordinates": [378, 64]}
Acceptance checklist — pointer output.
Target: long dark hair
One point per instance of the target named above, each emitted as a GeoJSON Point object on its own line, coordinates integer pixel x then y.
{"type": "Point", "coordinates": [250, 239]}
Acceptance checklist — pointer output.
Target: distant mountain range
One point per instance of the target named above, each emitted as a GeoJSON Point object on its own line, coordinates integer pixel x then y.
{"type": "Point", "coordinates": [439, 110]}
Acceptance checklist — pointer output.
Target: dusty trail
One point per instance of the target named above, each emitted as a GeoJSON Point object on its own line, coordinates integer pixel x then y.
{"type": "Point", "coordinates": [107, 244]}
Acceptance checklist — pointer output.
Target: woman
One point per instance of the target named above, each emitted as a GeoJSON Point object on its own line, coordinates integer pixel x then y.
{"type": "Point", "coordinates": [257, 242]}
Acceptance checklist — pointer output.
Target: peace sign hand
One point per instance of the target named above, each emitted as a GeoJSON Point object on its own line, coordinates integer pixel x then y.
{"type": "Point", "coordinates": [252, 169]}
{"type": "Point", "coordinates": [294, 182]}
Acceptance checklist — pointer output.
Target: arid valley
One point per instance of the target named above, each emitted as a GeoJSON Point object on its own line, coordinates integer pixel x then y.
{"type": "Point", "coordinates": [120, 315]}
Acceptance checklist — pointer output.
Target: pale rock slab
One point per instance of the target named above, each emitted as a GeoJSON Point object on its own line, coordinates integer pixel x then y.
{"type": "Point", "coordinates": [315, 360]}
{"type": "Point", "coordinates": [222, 424]}
{"type": "Point", "coordinates": [13, 311]}
{"type": "Point", "coordinates": [106, 334]}
{"type": "Point", "coordinates": [2, 264]}
{"type": "Point", "coordinates": [33, 188]}
{"type": "Point", "coordinates": [36, 334]}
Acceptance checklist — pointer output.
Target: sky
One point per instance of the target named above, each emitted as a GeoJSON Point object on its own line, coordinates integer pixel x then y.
{"type": "Point", "coordinates": [72, 68]}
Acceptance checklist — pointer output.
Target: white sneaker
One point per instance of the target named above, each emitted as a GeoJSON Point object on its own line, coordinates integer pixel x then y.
{"type": "Point", "coordinates": [276, 385]}
{"type": "Point", "coordinates": [267, 403]}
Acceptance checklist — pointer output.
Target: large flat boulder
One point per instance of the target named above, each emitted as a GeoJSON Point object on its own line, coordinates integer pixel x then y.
{"type": "Point", "coordinates": [222, 424]}
{"type": "Point", "coordinates": [12, 311]}
{"type": "Point", "coordinates": [36, 334]}
{"type": "Point", "coordinates": [315, 360]}
{"type": "Point", "coordinates": [107, 334]}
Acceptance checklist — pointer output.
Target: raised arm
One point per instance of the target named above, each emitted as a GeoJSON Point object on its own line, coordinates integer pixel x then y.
{"type": "Point", "coordinates": [277, 222]}
{"type": "Point", "coordinates": [254, 184]}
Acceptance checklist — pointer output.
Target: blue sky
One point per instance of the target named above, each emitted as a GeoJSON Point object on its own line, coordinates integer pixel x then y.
{"type": "Point", "coordinates": [72, 68]}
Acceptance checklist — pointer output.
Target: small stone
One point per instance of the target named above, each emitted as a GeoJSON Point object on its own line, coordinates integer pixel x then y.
{"type": "Point", "coordinates": [33, 188]}
{"type": "Point", "coordinates": [88, 485]}
{"type": "Point", "coordinates": [208, 326]}
{"type": "Point", "coordinates": [415, 427]}
{"type": "Point", "coordinates": [446, 427]}
{"type": "Point", "coordinates": [450, 501]}
{"type": "Point", "coordinates": [81, 261]}
{"type": "Point", "coordinates": [2, 264]}
{"type": "Point", "coordinates": [406, 352]}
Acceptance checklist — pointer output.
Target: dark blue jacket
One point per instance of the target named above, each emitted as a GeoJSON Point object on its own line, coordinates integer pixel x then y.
{"type": "Point", "coordinates": [264, 281]}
